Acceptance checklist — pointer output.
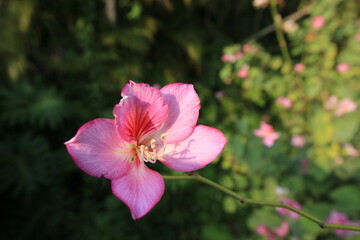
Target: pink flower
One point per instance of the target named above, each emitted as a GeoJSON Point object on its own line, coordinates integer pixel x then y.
{"type": "Point", "coordinates": [149, 125]}
{"type": "Point", "coordinates": [342, 67]}
{"type": "Point", "coordinates": [297, 141]}
{"type": "Point", "coordinates": [248, 48]}
{"type": "Point", "coordinates": [284, 212]}
{"type": "Point", "coordinates": [227, 57]}
{"type": "Point", "coordinates": [244, 71]}
{"type": "Point", "coordinates": [345, 106]}
{"type": "Point", "coordinates": [267, 133]}
{"type": "Point", "coordinates": [350, 150]}
{"type": "Point", "coordinates": [284, 102]}
{"type": "Point", "coordinates": [338, 218]}
{"type": "Point", "coordinates": [275, 233]}
{"type": "Point", "coordinates": [318, 22]}
{"type": "Point", "coordinates": [331, 103]}
{"type": "Point", "coordinates": [299, 67]}
{"type": "Point", "coordinates": [238, 55]}
{"type": "Point", "coordinates": [357, 37]}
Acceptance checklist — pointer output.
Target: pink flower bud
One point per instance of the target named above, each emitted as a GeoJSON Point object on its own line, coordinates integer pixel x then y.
{"type": "Point", "coordinates": [282, 230]}
{"type": "Point", "coordinates": [297, 141]}
{"type": "Point", "coordinates": [267, 133]}
{"type": "Point", "coordinates": [345, 106]}
{"type": "Point", "coordinates": [275, 233]}
{"type": "Point", "coordinates": [318, 22]}
{"type": "Point", "coordinates": [338, 218]}
{"type": "Point", "coordinates": [248, 48]}
{"type": "Point", "coordinates": [342, 67]}
{"type": "Point", "coordinates": [284, 102]}
{"type": "Point", "coordinates": [284, 212]}
{"type": "Point", "coordinates": [244, 71]}
{"type": "Point", "coordinates": [227, 57]}
{"type": "Point", "coordinates": [299, 67]}
{"type": "Point", "coordinates": [238, 55]}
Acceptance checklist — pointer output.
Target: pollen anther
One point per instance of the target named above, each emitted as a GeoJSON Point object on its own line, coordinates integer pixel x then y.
{"type": "Point", "coordinates": [151, 153]}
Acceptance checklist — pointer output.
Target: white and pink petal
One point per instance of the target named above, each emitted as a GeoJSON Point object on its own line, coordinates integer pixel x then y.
{"type": "Point", "coordinates": [140, 189]}
{"type": "Point", "coordinates": [184, 105]}
{"type": "Point", "coordinates": [195, 152]}
{"type": "Point", "coordinates": [98, 149]}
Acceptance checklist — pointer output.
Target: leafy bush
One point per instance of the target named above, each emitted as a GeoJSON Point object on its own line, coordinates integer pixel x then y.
{"type": "Point", "coordinates": [63, 63]}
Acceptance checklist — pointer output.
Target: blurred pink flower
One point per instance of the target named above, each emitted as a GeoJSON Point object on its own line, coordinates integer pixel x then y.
{"type": "Point", "coordinates": [338, 218]}
{"type": "Point", "coordinates": [238, 55]}
{"type": "Point", "coordinates": [318, 22]}
{"type": "Point", "coordinates": [299, 67]}
{"type": "Point", "coordinates": [275, 233]}
{"type": "Point", "coordinates": [244, 71]}
{"type": "Point", "coordinates": [260, 3]}
{"type": "Point", "coordinates": [284, 212]}
{"type": "Point", "coordinates": [267, 133]}
{"type": "Point", "coordinates": [228, 57]}
{"type": "Point", "coordinates": [284, 102]}
{"type": "Point", "coordinates": [345, 106]}
{"type": "Point", "coordinates": [297, 140]}
{"type": "Point", "coordinates": [231, 58]}
{"type": "Point", "coordinates": [150, 125]}
{"type": "Point", "coordinates": [357, 37]}
{"type": "Point", "coordinates": [248, 48]}
{"type": "Point", "coordinates": [350, 150]}
{"type": "Point", "coordinates": [331, 103]}
{"type": "Point", "coordinates": [219, 94]}
{"type": "Point", "coordinates": [342, 67]}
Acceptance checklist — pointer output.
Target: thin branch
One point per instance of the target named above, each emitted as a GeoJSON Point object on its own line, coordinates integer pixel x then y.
{"type": "Point", "coordinates": [243, 200]}
{"type": "Point", "coordinates": [279, 32]}
{"type": "Point", "coordinates": [265, 31]}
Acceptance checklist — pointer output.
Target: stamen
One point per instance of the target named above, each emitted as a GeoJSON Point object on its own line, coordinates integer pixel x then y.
{"type": "Point", "coordinates": [152, 154]}
{"type": "Point", "coordinates": [153, 143]}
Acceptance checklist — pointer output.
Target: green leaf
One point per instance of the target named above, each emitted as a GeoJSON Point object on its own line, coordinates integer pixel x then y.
{"type": "Point", "coordinates": [347, 198]}
{"type": "Point", "coordinates": [229, 204]}
{"type": "Point", "coordinates": [323, 129]}
{"type": "Point", "coordinates": [346, 127]}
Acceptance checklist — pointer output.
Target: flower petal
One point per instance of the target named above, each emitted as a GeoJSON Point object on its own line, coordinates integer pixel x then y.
{"type": "Point", "coordinates": [98, 149]}
{"type": "Point", "coordinates": [184, 105]}
{"type": "Point", "coordinates": [195, 152]}
{"type": "Point", "coordinates": [140, 113]}
{"type": "Point", "coordinates": [140, 189]}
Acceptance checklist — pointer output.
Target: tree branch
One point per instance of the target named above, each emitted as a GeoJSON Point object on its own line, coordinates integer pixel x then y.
{"type": "Point", "coordinates": [243, 200]}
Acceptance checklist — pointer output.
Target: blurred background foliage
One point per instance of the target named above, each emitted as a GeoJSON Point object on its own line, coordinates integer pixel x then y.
{"type": "Point", "coordinates": [63, 63]}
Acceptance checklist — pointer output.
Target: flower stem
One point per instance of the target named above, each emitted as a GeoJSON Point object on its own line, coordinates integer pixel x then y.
{"type": "Point", "coordinates": [278, 29]}
{"type": "Point", "coordinates": [243, 200]}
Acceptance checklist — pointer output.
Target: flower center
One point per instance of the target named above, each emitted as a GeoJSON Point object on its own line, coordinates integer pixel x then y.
{"type": "Point", "coordinates": [153, 152]}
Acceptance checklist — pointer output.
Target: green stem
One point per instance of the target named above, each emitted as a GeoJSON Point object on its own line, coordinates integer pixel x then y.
{"type": "Point", "coordinates": [243, 200]}
{"type": "Point", "coordinates": [279, 33]}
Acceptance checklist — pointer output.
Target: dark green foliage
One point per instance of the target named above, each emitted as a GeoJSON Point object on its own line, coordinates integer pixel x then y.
{"type": "Point", "coordinates": [63, 63]}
